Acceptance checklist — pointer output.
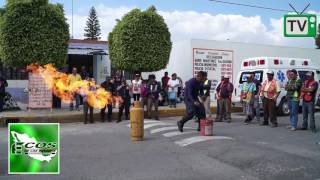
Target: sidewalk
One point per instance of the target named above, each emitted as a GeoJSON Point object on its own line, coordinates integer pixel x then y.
{"type": "Point", "coordinates": [64, 115]}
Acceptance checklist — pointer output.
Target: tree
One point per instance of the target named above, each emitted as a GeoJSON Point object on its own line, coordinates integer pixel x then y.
{"type": "Point", "coordinates": [140, 41]}
{"type": "Point", "coordinates": [33, 31]}
{"type": "Point", "coordinates": [92, 31]}
{"type": "Point", "coordinates": [317, 39]}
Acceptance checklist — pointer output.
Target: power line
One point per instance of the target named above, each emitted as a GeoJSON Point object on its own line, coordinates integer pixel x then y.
{"type": "Point", "coordinates": [252, 6]}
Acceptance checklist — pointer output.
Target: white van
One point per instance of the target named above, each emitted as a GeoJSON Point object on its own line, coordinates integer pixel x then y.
{"type": "Point", "coordinates": [279, 65]}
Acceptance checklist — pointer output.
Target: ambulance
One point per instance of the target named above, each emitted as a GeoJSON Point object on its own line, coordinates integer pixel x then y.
{"type": "Point", "coordinates": [279, 65]}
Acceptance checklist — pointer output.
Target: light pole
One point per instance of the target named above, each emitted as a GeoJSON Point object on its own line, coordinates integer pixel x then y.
{"type": "Point", "coordinates": [72, 19]}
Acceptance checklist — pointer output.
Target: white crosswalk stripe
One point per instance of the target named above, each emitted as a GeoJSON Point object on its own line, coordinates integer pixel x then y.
{"type": "Point", "coordinates": [171, 130]}
{"type": "Point", "coordinates": [153, 131]}
{"type": "Point", "coordinates": [196, 139]}
{"type": "Point", "coordinates": [177, 133]}
{"type": "Point", "coordinates": [147, 126]}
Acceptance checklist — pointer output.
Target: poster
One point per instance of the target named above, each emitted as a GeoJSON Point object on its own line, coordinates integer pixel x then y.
{"type": "Point", "coordinates": [215, 62]}
{"type": "Point", "coordinates": [40, 95]}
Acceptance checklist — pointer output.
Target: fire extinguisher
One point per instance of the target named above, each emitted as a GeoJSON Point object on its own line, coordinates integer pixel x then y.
{"type": "Point", "coordinates": [206, 127]}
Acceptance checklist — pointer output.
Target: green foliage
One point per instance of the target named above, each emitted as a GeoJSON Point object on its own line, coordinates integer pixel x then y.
{"type": "Point", "coordinates": [317, 39]}
{"type": "Point", "coordinates": [93, 31]}
{"type": "Point", "coordinates": [33, 31]}
{"type": "Point", "coordinates": [140, 41]}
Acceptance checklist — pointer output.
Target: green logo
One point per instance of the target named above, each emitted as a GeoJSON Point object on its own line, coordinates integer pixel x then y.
{"type": "Point", "coordinates": [300, 25]}
{"type": "Point", "coordinates": [33, 148]}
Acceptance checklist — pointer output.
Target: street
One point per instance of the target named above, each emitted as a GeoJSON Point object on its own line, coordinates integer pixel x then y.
{"type": "Point", "coordinates": [236, 151]}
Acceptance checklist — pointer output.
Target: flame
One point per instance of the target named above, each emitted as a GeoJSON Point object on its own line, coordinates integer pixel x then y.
{"type": "Point", "coordinates": [97, 96]}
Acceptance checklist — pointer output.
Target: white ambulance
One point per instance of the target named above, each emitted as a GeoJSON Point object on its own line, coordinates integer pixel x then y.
{"type": "Point", "coordinates": [279, 65]}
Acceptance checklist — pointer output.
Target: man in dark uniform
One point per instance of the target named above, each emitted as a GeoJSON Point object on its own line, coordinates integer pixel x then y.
{"type": "Point", "coordinates": [193, 105]}
{"type": "Point", "coordinates": [123, 90]}
{"type": "Point", "coordinates": [108, 85]}
{"type": "Point", "coordinates": [3, 85]}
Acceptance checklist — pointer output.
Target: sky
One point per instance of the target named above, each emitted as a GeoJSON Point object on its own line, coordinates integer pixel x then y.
{"type": "Point", "coordinates": [199, 19]}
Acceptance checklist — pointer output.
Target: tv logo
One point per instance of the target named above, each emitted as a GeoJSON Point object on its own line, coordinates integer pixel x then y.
{"type": "Point", "coordinates": [300, 25]}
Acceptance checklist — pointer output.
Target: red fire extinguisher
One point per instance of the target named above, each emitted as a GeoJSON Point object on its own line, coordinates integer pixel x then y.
{"type": "Point", "coordinates": [206, 127]}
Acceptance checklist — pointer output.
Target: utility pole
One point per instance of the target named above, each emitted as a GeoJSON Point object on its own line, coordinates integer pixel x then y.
{"type": "Point", "coordinates": [72, 20]}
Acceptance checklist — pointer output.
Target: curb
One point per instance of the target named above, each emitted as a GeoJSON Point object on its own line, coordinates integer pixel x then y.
{"type": "Point", "coordinates": [78, 117]}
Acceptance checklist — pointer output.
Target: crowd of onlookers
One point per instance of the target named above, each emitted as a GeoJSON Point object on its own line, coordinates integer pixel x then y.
{"type": "Point", "coordinates": [196, 95]}
{"type": "Point", "coordinates": [150, 92]}
{"type": "Point", "coordinates": [268, 91]}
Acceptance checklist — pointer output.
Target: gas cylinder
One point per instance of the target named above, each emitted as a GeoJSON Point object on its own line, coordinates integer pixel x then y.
{"type": "Point", "coordinates": [136, 121]}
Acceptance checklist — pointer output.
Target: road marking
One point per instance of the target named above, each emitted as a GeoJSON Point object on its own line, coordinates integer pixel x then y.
{"type": "Point", "coordinates": [177, 133]}
{"type": "Point", "coordinates": [166, 129]}
{"type": "Point", "coordinates": [150, 121]}
{"type": "Point", "coordinates": [147, 126]}
{"type": "Point", "coordinates": [196, 139]}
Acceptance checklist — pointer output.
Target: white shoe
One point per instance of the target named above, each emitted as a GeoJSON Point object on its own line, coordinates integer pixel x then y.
{"type": "Point", "coordinates": [293, 129]}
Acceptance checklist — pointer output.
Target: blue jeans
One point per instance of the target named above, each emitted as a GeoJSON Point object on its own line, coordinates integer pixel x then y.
{"type": "Point", "coordinates": [256, 108]}
{"type": "Point", "coordinates": [294, 110]}
{"type": "Point", "coordinates": [308, 111]}
{"type": "Point", "coordinates": [77, 97]}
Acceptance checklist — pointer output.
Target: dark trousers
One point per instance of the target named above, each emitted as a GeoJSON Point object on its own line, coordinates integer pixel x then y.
{"type": "Point", "coordinates": [86, 108]}
{"type": "Point", "coordinates": [1, 102]}
{"type": "Point", "coordinates": [153, 102]}
{"type": "Point", "coordinates": [224, 109]}
{"type": "Point", "coordinates": [103, 110]}
{"type": "Point", "coordinates": [136, 97]}
{"type": "Point", "coordinates": [308, 113]}
{"type": "Point", "coordinates": [193, 110]}
{"type": "Point", "coordinates": [126, 107]}
{"type": "Point", "coordinates": [270, 112]}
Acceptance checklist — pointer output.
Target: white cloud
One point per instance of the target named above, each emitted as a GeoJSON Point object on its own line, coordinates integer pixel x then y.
{"type": "Point", "coordinates": [185, 25]}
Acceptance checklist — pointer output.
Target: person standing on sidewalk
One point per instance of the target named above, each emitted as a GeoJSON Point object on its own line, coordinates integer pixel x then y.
{"type": "Point", "coordinates": [293, 87]}
{"type": "Point", "coordinates": [256, 101]}
{"type": "Point", "coordinates": [247, 97]}
{"type": "Point", "coordinates": [136, 87]}
{"type": "Point", "coordinates": [191, 99]}
{"type": "Point", "coordinates": [173, 85]}
{"type": "Point", "coordinates": [308, 94]}
{"type": "Point", "coordinates": [74, 78]}
{"type": "Point", "coordinates": [109, 86]}
{"type": "Point", "coordinates": [86, 106]}
{"type": "Point", "coordinates": [3, 85]}
{"type": "Point", "coordinates": [123, 91]}
{"type": "Point", "coordinates": [164, 80]}
{"type": "Point", "coordinates": [154, 89]}
{"type": "Point", "coordinates": [270, 91]}
{"type": "Point", "coordinates": [205, 95]}
{"type": "Point", "coordinates": [224, 94]}
{"type": "Point", "coordinates": [180, 88]}
{"type": "Point", "coordinates": [218, 99]}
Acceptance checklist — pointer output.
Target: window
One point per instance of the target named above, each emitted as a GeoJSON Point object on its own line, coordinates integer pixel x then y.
{"type": "Point", "coordinates": [258, 75]}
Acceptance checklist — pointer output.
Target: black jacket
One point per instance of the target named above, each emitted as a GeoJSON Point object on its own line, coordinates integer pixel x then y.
{"type": "Point", "coordinates": [124, 92]}
{"type": "Point", "coordinates": [109, 87]}
{"type": "Point", "coordinates": [3, 85]}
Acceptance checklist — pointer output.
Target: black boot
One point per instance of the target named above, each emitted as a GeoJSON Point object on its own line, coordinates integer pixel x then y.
{"type": "Point", "coordinates": [180, 126]}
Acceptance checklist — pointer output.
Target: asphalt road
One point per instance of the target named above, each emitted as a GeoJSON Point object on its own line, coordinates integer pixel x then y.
{"type": "Point", "coordinates": [104, 151]}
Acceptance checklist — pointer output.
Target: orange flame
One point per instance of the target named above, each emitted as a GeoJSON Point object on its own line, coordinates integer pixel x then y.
{"type": "Point", "coordinates": [97, 97]}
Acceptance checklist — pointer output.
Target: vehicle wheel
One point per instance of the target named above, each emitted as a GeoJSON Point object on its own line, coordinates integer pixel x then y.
{"type": "Point", "coordinates": [284, 108]}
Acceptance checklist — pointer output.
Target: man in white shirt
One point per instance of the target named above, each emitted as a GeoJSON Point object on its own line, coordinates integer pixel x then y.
{"type": "Point", "coordinates": [173, 85]}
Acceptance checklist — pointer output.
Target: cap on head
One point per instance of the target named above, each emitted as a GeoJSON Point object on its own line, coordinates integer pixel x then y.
{"type": "Point", "coordinates": [294, 71]}
{"type": "Point", "coordinates": [270, 72]}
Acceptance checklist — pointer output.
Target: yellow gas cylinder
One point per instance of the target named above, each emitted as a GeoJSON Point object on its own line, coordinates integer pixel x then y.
{"type": "Point", "coordinates": [136, 121]}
